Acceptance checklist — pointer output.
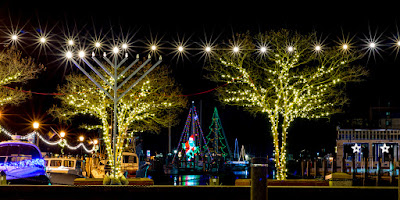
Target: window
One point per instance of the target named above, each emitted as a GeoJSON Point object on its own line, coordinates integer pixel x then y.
{"type": "Point", "coordinates": [55, 163]}
{"type": "Point", "coordinates": [69, 163]}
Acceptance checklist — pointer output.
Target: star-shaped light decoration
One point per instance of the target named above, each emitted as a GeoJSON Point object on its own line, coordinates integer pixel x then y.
{"type": "Point", "coordinates": [356, 148]}
{"type": "Point", "coordinates": [385, 149]}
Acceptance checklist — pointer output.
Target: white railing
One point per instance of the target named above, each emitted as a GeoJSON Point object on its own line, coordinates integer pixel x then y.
{"type": "Point", "coordinates": [368, 134]}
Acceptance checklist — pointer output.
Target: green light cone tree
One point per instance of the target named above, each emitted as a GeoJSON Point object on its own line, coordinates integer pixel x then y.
{"type": "Point", "coordinates": [216, 139]}
{"type": "Point", "coordinates": [282, 75]}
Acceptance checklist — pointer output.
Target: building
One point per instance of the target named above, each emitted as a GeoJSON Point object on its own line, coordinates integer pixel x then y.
{"type": "Point", "coordinates": [367, 143]}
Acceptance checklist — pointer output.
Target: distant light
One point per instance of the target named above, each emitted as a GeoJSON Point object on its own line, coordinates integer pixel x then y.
{"type": "Point", "coordinates": [263, 49]}
{"type": "Point", "coordinates": [290, 49]}
{"type": "Point", "coordinates": [81, 138]}
{"type": "Point", "coordinates": [115, 50]}
{"type": "Point", "coordinates": [35, 125]}
{"type": "Point", "coordinates": [62, 134]}
{"type": "Point", "coordinates": [68, 54]}
{"type": "Point", "coordinates": [207, 49]}
{"type": "Point", "coordinates": [14, 37]}
{"type": "Point", "coordinates": [153, 47]}
{"type": "Point", "coordinates": [124, 46]}
{"type": "Point", "coordinates": [398, 43]}
{"type": "Point", "coordinates": [345, 46]}
{"type": "Point", "coordinates": [235, 49]}
{"type": "Point", "coordinates": [81, 54]}
{"type": "Point", "coordinates": [180, 48]}
{"type": "Point", "coordinates": [95, 141]}
{"type": "Point", "coordinates": [372, 45]}
{"type": "Point", "coordinates": [97, 44]}
{"type": "Point", "coordinates": [317, 48]}
{"type": "Point", "coordinates": [42, 40]}
{"type": "Point", "coordinates": [70, 42]}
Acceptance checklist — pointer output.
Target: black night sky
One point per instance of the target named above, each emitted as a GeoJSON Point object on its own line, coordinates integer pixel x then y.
{"type": "Point", "coordinates": [191, 21]}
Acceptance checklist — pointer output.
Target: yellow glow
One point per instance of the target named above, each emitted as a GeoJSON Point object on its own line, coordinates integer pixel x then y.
{"type": "Point", "coordinates": [208, 49]}
{"type": "Point", "coordinates": [81, 138]}
{"type": "Point", "coordinates": [124, 46]}
{"type": "Point", "coordinates": [290, 48]}
{"type": "Point", "coordinates": [236, 49]}
{"type": "Point", "coordinates": [36, 125]}
{"type": "Point", "coordinates": [62, 134]}
{"type": "Point", "coordinates": [95, 141]}
{"type": "Point", "coordinates": [180, 48]}
{"type": "Point", "coordinates": [263, 49]}
{"type": "Point", "coordinates": [317, 48]}
{"type": "Point", "coordinates": [97, 44]}
{"type": "Point", "coordinates": [153, 47]}
{"type": "Point", "coordinates": [70, 42]}
{"type": "Point", "coordinates": [345, 46]}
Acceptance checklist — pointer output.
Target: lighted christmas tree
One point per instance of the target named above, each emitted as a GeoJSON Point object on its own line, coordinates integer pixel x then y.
{"type": "Point", "coordinates": [190, 143]}
{"type": "Point", "coordinates": [216, 139]}
{"type": "Point", "coordinates": [284, 75]}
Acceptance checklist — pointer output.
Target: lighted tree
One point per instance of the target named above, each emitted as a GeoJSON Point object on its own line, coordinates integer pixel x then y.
{"type": "Point", "coordinates": [153, 103]}
{"type": "Point", "coordinates": [14, 71]}
{"type": "Point", "coordinates": [284, 75]}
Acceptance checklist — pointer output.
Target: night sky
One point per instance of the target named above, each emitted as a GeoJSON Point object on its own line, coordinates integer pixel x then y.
{"type": "Point", "coordinates": [192, 21]}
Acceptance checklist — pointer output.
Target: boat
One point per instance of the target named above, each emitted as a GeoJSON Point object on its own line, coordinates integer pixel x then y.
{"type": "Point", "coordinates": [130, 164]}
{"type": "Point", "coordinates": [64, 170]}
{"type": "Point", "coordinates": [22, 163]}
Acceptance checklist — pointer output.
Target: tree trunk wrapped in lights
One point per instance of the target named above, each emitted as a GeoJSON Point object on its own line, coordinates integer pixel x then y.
{"type": "Point", "coordinates": [154, 102]}
{"type": "Point", "coordinates": [281, 75]}
{"type": "Point", "coordinates": [14, 70]}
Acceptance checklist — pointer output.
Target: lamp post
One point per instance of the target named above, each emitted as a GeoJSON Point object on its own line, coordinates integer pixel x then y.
{"type": "Point", "coordinates": [36, 127]}
{"type": "Point", "coordinates": [115, 85]}
{"type": "Point", "coordinates": [81, 139]}
{"type": "Point", "coordinates": [62, 136]}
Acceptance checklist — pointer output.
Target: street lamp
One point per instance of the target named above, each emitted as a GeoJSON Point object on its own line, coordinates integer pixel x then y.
{"type": "Point", "coordinates": [35, 125]}
{"type": "Point", "coordinates": [115, 85]}
{"type": "Point", "coordinates": [62, 134]}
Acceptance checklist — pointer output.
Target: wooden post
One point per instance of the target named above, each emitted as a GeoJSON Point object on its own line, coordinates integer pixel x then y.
{"type": "Point", "coordinates": [324, 168]}
{"type": "Point", "coordinates": [333, 166]}
{"type": "Point", "coordinates": [302, 168]}
{"type": "Point", "coordinates": [315, 168]}
{"type": "Point", "coordinates": [343, 167]}
{"type": "Point", "coordinates": [379, 170]}
{"type": "Point", "coordinates": [391, 170]}
{"type": "Point", "coordinates": [258, 190]}
{"type": "Point", "coordinates": [308, 168]}
{"type": "Point", "coordinates": [353, 169]}
{"type": "Point", "coordinates": [365, 178]}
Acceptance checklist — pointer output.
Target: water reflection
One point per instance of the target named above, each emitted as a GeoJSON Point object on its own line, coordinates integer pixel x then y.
{"type": "Point", "coordinates": [193, 180]}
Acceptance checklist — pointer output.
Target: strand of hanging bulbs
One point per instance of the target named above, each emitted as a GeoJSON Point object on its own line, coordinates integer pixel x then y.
{"type": "Point", "coordinates": [60, 141]}
{"type": "Point", "coordinates": [370, 45]}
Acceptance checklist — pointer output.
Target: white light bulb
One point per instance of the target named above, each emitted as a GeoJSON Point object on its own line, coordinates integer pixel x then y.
{"type": "Point", "coordinates": [207, 49]}
{"type": "Point", "coordinates": [317, 48]}
{"type": "Point", "coordinates": [70, 42]}
{"type": "Point", "coordinates": [180, 48]}
{"type": "Point", "coordinates": [115, 50]}
{"type": "Point", "coordinates": [290, 49]}
{"type": "Point", "coordinates": [68, 54]}
{"type": "Point", "coordinates": [81, 54]}
{"type": "Point", "coordinates": [153, 47]}
{"type": "Point", "coordinates": [372, 45]}
{"type": "Point", "coordinates": [124, 46]}
{"type": "Point", "coordinates": [14, 37]}
{"type": "Point", "coordinates": [235, 49]}
{"type": "Point", "coordinates": [345, 46]}
{"type": "Point", "coordinates": [42, 39]}
{"type": "Point", "coordinates": [97, 44]}
{"type": "Point", "coordinates": [263, 49]}
{"type": "Point", "coordinates": [398, 43]}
